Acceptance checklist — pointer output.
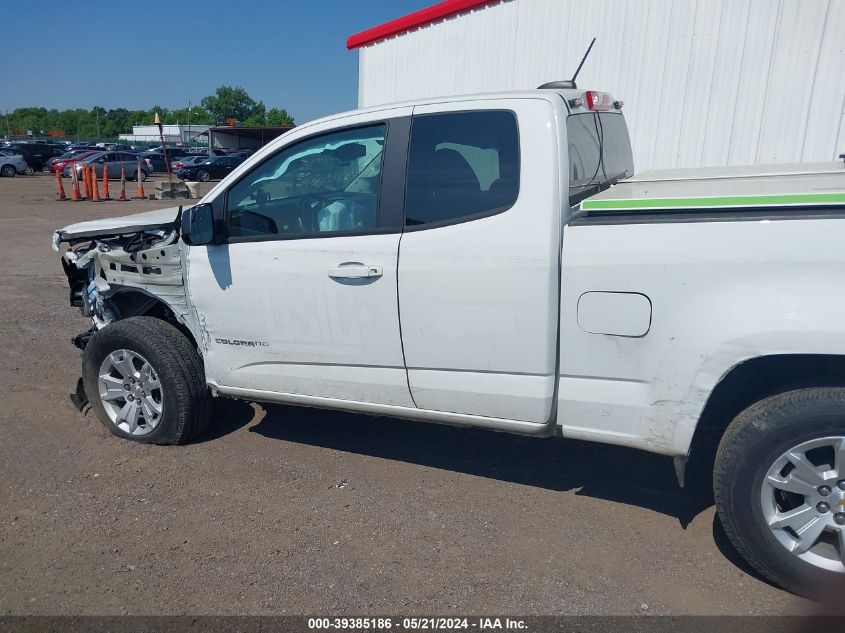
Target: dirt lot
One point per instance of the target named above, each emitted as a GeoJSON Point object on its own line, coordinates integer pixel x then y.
{"type": "Point", "coordinates": [285, 510]}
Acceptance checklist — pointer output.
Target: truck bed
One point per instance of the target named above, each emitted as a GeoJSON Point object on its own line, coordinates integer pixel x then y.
{"type": "Point", "coordinates": [814, 188]}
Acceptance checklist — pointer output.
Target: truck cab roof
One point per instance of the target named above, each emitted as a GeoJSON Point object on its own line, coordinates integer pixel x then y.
{"type": "Point", "coordinates": [574, 98]}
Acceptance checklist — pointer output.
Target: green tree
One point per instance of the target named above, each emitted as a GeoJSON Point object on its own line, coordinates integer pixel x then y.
{"type": "Point", "coordinates": [193, 116]}
{"type": "Point", "coordinates": [80, 123]}
{"type": "Point", "coordinates": [258, 116]}
{"type": "Point", "coordinates": [232, 103]}
{"type": "Point", "coordinates": [277, 117]}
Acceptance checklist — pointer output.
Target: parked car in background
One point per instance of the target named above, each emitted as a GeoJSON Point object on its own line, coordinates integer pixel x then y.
{"type": "Point", "coordinates": [12, 164]}
{"type": "Point", "coordinates": [66, 160]}
{"type": "Point", "coordinates": [43, 151]}
{"type": "Point", "coordinates": [213, 167]}
{"type": "Point", "coordinates": [158, 161]}
{"type": "Point", "coordinates": [115, 147]}
{"type": "Point", "coordinates": [188, 161]}
{"type": "Point", "coordinates": [155, 160]}
{"type": "Point", "coordinates": [114, 160]}
{"type": "Point", "coordinates": [241, 153]}
{"type": "Point", "coordinates": [82, 145]}
{"type": "Point", "coordinates": [33, 162]}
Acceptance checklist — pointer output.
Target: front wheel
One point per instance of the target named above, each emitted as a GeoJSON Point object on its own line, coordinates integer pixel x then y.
{"type": "Point", "coordinates": [29, 171]}
{"type": "Point", "coordinates": [145, 381]}
{"type": "Point", "coordinates": [203, 176]}
{"type": "Point", "coordinates": [779, 484]}
{"type": "Point", "coordinates": [8, 170]}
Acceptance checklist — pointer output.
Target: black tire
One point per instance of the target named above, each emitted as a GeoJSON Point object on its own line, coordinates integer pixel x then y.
{"type": "Point", "coordinates": [143, 176]}
{"type": "Point", "coordinates": [755, 439]}
{"type": "Point", "coordinates": [8, 171]}
{"type": "Point", "coordinates": [203, 176]}
{"type": "Point", "coordinates": [29, 171]}
{"type": "Point", "coordinates": [187, 402]}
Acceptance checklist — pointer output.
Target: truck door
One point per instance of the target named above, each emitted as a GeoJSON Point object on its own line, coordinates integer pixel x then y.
{"type": "Point", "coordinates": [301, 298]}
{"type": "Point", "coordinates": [479, 259]}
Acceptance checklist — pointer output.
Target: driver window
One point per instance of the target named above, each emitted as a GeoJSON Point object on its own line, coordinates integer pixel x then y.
{"type": "Point", "coordinates": [325, 184]}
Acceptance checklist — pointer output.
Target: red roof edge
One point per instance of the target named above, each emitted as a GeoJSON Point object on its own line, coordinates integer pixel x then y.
{"type": "Point", "coordinates": [439, 11]}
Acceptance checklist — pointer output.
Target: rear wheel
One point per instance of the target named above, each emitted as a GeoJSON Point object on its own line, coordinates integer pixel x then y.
{"type": "Point", "coordinates": [779, 484]}
{"type": "Point", "coordinates": [203, 176]}
{"type": "Point", "coordinates": [29, 171]}
{"type": "Point", "coordinates": [143, 176]}
{"type": "Point", "coordinates": [145, 381]}
{"type": "Point", "coordinates": [8, 170]}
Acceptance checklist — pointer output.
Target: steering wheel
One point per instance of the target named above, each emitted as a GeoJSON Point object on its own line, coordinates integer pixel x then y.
{"type": "Point", "coordinates": [310, 205]}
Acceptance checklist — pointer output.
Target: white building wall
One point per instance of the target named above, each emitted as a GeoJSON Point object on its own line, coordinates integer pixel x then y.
{"type": "Point", "coordinates": [173, 133]}
{"type": "Point", "coordinates": [705, 82]}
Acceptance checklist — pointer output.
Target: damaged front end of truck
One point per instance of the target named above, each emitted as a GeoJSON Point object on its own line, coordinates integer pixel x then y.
{"type": "Point", "coordinates": [124, 267]}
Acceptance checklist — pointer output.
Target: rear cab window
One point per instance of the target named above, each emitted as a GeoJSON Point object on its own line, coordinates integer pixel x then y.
{"type": "Point", "coordinates": [599, 153]}
{"type": "Point", "coordinates": [461, 166]}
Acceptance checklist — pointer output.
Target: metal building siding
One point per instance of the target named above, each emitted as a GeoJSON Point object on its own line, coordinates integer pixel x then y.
{"type": "Point", "coordinates": [705, 82]}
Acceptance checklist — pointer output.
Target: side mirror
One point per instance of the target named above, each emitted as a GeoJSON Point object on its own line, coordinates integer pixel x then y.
{"type": "Point", "coordinates": [197, 225]}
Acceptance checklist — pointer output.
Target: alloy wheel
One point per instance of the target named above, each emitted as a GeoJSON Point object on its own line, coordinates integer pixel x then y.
{"type": "Point", "coordinates": [131, 392]}
{"type": "Point", "coordinates": [803, 502]}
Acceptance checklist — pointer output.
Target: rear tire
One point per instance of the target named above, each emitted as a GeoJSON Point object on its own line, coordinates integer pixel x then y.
{"type": "Point", "coordinates": [203, 176]}
{"type": "Point", "coordinates": [184, 404]}
{"type": "Point", "coordinates": [29, 171]}
{"type": "Point", "coordinates": [785, 455]}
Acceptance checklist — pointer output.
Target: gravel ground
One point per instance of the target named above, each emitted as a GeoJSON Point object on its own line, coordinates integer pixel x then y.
{"type": "Point", "coordinates": [281, 510]}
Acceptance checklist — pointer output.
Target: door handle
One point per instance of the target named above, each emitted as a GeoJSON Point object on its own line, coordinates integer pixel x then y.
{"type": "Point", "coordinates": [358, 271]}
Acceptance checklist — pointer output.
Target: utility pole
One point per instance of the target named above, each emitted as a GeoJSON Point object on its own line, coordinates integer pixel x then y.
{"type": "Point", "coordinates": [163, 147]}
{"type": "Point", "coordinates": [190, 131]}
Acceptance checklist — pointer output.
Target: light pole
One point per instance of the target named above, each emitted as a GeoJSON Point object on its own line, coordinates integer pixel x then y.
{"type": "Point", "coordinates": [163, 147]}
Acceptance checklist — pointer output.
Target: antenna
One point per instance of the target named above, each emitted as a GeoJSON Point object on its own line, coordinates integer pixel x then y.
{"type": "Point", "coordinates": [569, 83]}
{"type": "Point", "coordinates": [583, 59]}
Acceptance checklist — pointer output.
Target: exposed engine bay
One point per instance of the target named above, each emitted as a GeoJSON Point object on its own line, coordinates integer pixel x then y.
{"type": "Point", "coordinates": [120, 271]}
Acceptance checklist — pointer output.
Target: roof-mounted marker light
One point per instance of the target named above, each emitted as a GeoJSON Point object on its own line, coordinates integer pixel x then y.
{"type": "Point", "coordinates": [598, 100]}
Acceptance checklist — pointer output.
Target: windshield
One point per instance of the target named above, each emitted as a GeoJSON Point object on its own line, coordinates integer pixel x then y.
{"type": "Point", "coordinates": [599, 153]}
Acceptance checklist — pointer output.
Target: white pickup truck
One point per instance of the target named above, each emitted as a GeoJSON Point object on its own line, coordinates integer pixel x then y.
{"type": "Point", "coordinates": [490, 261]}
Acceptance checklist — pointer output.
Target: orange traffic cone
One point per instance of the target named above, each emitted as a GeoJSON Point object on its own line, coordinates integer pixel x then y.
{"type": "Point", "coordinates": [95, 187]}
{"type": "Point", "coordinates": [61, 193]}
{"type": "Point", "coordinates": [122, 197]}
{"type": "Point", "coordinates": [74, 191]}
{"type": "Point", "coordinates": [106, 181]}
{"type": "Point", "coordinates": [85, 185]}
{"type": "Point", "coordinates": [141, 195]}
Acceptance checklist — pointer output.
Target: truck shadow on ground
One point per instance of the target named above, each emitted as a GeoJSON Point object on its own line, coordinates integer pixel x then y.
{"type": "Point", "coordinates": [602, 471]}
{"type": "Point", "coordinates": [607, 472]}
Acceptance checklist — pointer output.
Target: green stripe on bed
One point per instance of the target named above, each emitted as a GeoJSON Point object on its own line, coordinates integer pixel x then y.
{"type": "Point", "coordinates": [717, 201]}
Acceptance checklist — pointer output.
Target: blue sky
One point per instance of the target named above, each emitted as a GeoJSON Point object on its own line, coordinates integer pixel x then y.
{"type": "Point", "coordinates": [287, 53]}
